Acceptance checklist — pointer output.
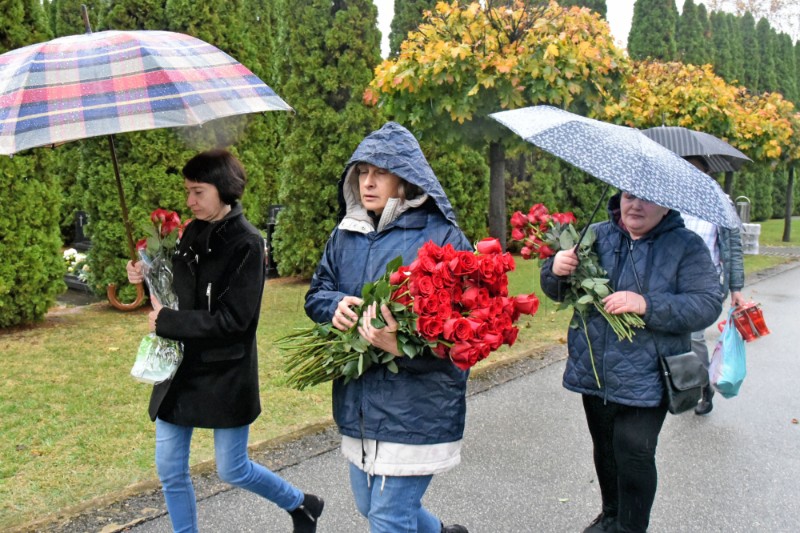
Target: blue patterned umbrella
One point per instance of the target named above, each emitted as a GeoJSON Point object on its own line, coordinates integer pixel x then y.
{"type": "Point", "coordinates": [624, 158]}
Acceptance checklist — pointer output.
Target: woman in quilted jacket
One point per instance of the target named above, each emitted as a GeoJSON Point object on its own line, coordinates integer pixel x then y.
{"type": "Point", "coordinates": [662, 272]}
{"type": "Point", "coordinates": [398, 429]}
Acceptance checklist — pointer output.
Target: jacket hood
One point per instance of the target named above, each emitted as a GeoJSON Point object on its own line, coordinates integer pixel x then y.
{"type": "Point", "coordinates": [396, 149]}
{"type": "Point", "coordinates": [670, 221]}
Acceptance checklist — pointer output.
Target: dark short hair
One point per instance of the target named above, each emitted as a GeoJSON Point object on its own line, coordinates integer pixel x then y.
{"type": "Point", "coordinates": [699, 160]}
{"type": "Point", "coordinates": [221, 169]}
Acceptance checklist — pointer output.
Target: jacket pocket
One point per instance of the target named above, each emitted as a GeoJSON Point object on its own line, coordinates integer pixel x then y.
{"type": "Point", "coordinates": [222, 353]}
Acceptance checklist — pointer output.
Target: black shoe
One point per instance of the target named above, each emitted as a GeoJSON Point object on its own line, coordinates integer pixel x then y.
{"type": "Point", "coordinates": [454, 528]}
{"type": "Point", "coordinates": [602, 524]}
{"type": "Point", "coordinates": [305, 516]}
{"type": "Point", "coordinates": [706, 405]}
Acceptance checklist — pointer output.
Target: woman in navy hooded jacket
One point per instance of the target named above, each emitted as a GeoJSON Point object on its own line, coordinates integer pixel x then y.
{"type": "Point", "coordinates": [398, 429]}
{"type": "Point", "coordinates": [663, 272]}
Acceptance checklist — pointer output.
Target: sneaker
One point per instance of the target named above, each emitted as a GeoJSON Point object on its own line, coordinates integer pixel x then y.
{"type": "Point", "coordinates": [305, 516]}
{"type": "Point", "coordinates": [602, 524]}
{"type": "Point", "coordinates": [454, 528]}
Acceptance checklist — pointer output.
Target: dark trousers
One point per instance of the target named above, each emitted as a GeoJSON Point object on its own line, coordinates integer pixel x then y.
{"type": "Point", "coordinates": [625, 440]}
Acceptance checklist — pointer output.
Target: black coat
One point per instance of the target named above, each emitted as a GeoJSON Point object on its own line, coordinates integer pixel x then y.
{"type": "Point", "coordinates": [219, 274]}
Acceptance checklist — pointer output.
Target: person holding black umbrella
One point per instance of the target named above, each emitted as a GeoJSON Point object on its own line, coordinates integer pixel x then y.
{"type": "Point", "coordinates": [725, 246]}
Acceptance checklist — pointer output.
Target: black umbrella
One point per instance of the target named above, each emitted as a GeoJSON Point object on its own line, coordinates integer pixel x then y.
{"type": "Point", "coordinates": [720, 156]}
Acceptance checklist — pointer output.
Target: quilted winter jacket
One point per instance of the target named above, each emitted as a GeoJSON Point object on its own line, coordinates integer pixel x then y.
{"type": "Point", "coordinates": [730, 253]}
{"type": "Point", "coordinates": [681, 288]}
{"type": "Point", "coordinates": [424, 403]}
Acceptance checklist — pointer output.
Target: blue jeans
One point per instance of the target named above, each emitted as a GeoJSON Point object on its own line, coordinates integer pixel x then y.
{"type": "Point", "coordinates": [393, 504]}
{"type": "Point", "coordinates": [233, 466]}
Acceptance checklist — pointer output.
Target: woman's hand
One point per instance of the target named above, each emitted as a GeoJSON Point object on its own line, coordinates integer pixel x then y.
{"type": "Point", "coordinates": [384, 338]}
{"type": "Point", "coordinates": [152, 316]}
{"type": "Point", "coordinates": [344, 317]}
{"type": "Point", "coordinates": [134, 272]}
{"type": "Point", "coordinates": [737, 299]}
{"type": "Point", "coordinates": [620, 302]}
{"type": "Point", "coordinates": [565, 262]}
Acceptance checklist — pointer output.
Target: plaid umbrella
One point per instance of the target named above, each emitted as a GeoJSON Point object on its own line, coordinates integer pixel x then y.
{"type": "Point", "coordinates": [625, 158]}
{"type": "Point", "coordinates": [720, 156]}
{"type": "Point", "coordinates": [111, 82]}
{"type": "Point", "coordinates": [118, 81]}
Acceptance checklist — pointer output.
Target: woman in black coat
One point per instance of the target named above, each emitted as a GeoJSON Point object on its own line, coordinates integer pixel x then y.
{"type": "Point", "coordinates": [219, 274]}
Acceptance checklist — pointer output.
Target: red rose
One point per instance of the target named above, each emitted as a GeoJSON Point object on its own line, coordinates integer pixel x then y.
{"type": "Point", "coordinates": [489, 246]}
{"type": "Point", "coordinates": [158, 216]}
{"type": "Point", "coordinates": [464, 355]}
{"type": "Point", "coordinates": [448, 252]}
{"type": "Point", "coordinates": [510, 336]}
{"type": "Point", "coordinates": [431, 250]}
{"type": "Point", "coordinates": [518, 221]}
{"type": "Point", "coordinates": [526, 252]}
{"type": "Point", "coordinates": [526, 304]}
{"type": "Point", "coordinates": [171, 223]}
{"type": "Point", "coordinates": [479, 328]}
{"type": "Point", "coordinates": [445, 273]}
{"type": "Point", "coordinates": [564, 218]}
{"type": "Point", "coordinates": [474, 298]}
{"type": "Point", "coordinates": [457, 329]}
{"type": "Point", "coordinates": [464, 263]}
{"type": "Point", "coordinates": [493, 340]}
{"type": "Point", "coordinates": [538, 213]}
{"type": "Point", "coordinates": [421, 286]}
{"type": "Point", "coordinates": [141, 244]}
{"type": "Point", "coordinates": [399, 276]}
{"type": "Point", "coordinates": [440, 350]}
{"type": "Point", "coordinates": [429, 328]}
{"type": "Point", "coordinates": [545, 252]}
{"type": "Point", "coordinates": [517, 234]}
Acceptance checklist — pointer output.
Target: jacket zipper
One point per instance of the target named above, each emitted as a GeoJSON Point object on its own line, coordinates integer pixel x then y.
{"type": "Point", "coordinates": [208, 296]}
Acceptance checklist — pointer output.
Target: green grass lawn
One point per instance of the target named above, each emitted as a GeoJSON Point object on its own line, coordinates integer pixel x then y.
{"type": "Point", "coordinates": [75, 424]}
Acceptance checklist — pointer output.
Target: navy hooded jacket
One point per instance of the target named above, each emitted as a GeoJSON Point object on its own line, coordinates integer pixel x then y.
{"type": "Point", "coordinates": [424, 403]}
{"type": "Point", "coordinates": [681, 287]}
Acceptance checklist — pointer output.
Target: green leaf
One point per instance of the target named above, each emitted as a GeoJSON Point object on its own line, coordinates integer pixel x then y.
{"type": "Point", "coordinates": [585, 299]}
{"type": "Point", "coordinates": [566, 241]}
{"type": "Point", "coordinates": [392, 367]}
{"type": "Point", "coordinates": [394, 264]}
{"type": "Point", "coordinates": [588, 283]}
{"type": "Point", "coordinates": [602, 290]}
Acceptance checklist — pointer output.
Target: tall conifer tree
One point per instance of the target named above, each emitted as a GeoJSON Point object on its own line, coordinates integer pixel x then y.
{"type": "Point", "coordinates": [653, 29]}
{"type": "Point", "coordinates": [785, 67]}
{"type": "Point", "coordinates": [329, 51]}
{"type": "Point", "coordinates": [767, 79]}
{"type": "Point", "coordinates": [721, 42]}
{"type": "Point", "coordinates": [407, 16]}
{"type": "Point", "coordinates": [733, 27]}
{"type": "Point", "coordinates": [751, 52]}
{"type": "Point", "coordinates": [690, 40]}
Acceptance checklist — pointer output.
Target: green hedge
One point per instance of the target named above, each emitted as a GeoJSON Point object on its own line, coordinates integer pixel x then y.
{"type": "Point", "coordinates": [32, 269]}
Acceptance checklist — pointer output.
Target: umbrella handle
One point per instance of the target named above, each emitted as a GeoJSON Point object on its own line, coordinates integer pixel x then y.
{"type": "Point", "coordinates": [589, 222]}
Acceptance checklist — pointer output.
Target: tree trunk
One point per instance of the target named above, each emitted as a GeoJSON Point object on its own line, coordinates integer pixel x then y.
{"type": "Point", "coordinates": [787, 221]}
{"type": "Point", "coordinates": [497, 192]}
{"type": "Point", "coordinates": [728, 187]}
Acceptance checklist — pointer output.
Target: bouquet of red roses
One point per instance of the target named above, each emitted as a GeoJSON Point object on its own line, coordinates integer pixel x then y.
{"type": "Point", "coordinates": [158, 358]}
{"type": "Point", "coordinates": [447, 303]}
{"type": "Point", "coordinates": [542, 235]}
